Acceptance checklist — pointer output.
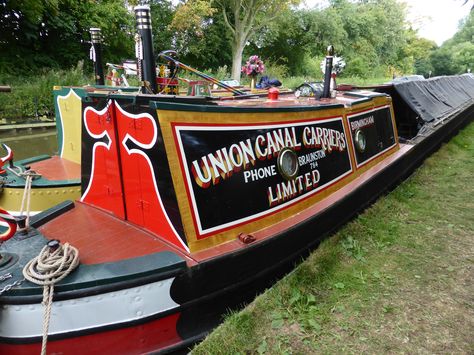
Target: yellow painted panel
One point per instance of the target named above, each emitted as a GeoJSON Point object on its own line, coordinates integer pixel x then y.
{"type": "Point", "coordinates": [41, 198]}
{"type": "Point", "coordinates": [70, 109]}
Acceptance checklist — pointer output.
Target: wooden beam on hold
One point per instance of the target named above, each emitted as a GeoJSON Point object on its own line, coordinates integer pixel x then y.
{"type": "Point", "coordinates": [5, 88]}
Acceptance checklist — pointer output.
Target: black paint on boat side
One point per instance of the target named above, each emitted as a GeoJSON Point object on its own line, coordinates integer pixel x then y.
{"type": "Point", "coordinates": [209, 281]}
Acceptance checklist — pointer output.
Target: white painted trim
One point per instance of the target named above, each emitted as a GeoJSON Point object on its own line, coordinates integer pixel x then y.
{"type": "Point", "coordinates": [25, 321]}
{"type": "Point", "coordinates": [17, 213]}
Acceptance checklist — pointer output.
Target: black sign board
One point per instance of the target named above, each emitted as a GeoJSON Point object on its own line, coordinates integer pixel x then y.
{"type": "Point", "coordinates": [376, 125]}
{"type": "Point", "coordinates": [232, 175]}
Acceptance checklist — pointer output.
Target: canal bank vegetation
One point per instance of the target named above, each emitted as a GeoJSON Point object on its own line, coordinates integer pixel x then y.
{"type": "Point", "coordinates": [396, 279]}
{"type": "Point", "coordinates": [42, 42]}
{"type": "Point", "coordinates": [32, 96]}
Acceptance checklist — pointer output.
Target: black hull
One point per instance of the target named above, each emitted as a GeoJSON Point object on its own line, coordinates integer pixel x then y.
{"type": "Point", "coordinates": [200, 295]}
{"type": "Point", "coordinates": [209, 291]}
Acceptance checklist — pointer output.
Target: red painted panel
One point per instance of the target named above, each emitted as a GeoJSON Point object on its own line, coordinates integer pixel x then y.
{"type": "Point", "coordinates": [132, 163]}
{"type": "Point", "coordinates": [102, 237]}
{"type": "Point", "coordinates": [139, 339]}
{"type": "Point", "coordinates": [137, 135]}
{"type": "Point", "coordinates": [105, 187]}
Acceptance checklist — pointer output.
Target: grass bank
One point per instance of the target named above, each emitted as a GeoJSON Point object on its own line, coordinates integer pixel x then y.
{"type": "Point", "coordinates": [396, 279]}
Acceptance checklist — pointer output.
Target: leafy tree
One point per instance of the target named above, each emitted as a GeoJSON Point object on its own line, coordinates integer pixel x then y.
{"type": "Point", "coordinates": [203, 40]}
{"type": "Point", "coordinates": [54, 33]}
{"type": "Point", "coordinates": [466, 30]}
{"type": "Point", "coordinates": [456, 55]}
{"type": "Point", "coordinates": [463, 57]}
{"type": "Point", "coordinates": [418, 51]}
{"type": "Point", "coordinates": [372, 35]}
{"type": "Point", "coordinates": [375, 30]}
{"type": "Point", "coordinates": [244, 18]}
{"type": "Point", "coordinates": [285, 41]}
{"type": "Point", "coordinates": [162, 12]}
{"type": "Point", "coordinates": [299, 37]}
{"type": "Point", "coordinates": [442, 62]}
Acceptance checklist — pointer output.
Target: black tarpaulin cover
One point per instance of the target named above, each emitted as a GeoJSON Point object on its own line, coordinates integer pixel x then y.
{"type": "Point", "coordinates": [436, 98]}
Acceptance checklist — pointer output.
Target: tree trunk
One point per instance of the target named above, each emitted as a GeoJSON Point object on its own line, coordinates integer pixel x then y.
{"type": "Point", "coordinates": [237, 49]}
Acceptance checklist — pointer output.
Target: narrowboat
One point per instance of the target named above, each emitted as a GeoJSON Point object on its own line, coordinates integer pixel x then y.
{"type": "Point", "coordinates": [191, 207]}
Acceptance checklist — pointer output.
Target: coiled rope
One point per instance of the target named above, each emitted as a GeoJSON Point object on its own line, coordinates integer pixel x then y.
{"type": "Point", "coordinates": [54, 263]}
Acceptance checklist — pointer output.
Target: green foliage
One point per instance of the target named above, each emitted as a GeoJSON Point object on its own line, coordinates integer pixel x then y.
{"type": "Point", "coordinates": [357, 66]}
{"type": "Point", "coordinates": [312, 67]}
{"type": "Point", "coordinates": [442, 63]}
{"type": "Point", "coordinates": [162, 17]}
{"type": "Point", "coordinates": [417, 53]}
{"type": "Point", "coordinates": [370, 35]}
{"type": "Point", "coordinates": [222, 73]}
{"type": "Point", "coordinates": [32, 96]}
{"type": "Point", "coordinates": [463, 56]}
{"type": "Point", "coordinates": [241, 20]}
{"type": "Point", "coordinates": [210, 50]}
{"type": "Point", "coordinates": [353, 248]}
{"type": "Point", "coordinates": [54, 34]}
{"type": "Point", "coordinates": [274, 70]}
{"type": "Point", "coordinates": [456, 55]}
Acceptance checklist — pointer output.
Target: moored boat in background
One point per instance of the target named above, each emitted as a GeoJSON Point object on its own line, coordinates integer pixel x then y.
{"type": "Point", "coordinates": [54, 179]}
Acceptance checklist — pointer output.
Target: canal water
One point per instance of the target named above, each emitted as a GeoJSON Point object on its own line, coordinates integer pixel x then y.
{"type": "Point", "coordinates": [29, 143]}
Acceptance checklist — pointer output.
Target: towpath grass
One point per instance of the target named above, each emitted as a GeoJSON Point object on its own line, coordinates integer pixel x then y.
{"type": "Point", "coordinates": [398, 279]}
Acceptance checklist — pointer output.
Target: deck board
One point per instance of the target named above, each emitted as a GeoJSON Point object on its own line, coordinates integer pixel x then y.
{"type": "Point", "coordinates": [57, 168]}
{"type": "Point", "coordinates": [101, 237]}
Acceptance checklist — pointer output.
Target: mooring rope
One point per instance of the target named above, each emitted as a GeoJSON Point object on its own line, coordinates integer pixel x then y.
{"type": "Point", "coordinates": [29, 175]}
{"type": "Point", "coordinates": [54, 263]}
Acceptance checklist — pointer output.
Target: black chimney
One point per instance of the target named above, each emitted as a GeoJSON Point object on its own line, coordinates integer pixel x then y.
{"type": "Point", "coordinates": [327, 73]}
{"type": "Point", "coordinates": [148, 67]}
{"type": "Point", "coordinates": [96, 55]}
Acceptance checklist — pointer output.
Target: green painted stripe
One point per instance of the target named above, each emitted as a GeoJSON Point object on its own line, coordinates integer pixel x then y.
{"type": "Point", "coordinates": [238, 109]}
{"type": "Point", "coordinates": [41, 183]}
{"type": "Point", "coordinates": [160, 265]}
{"type": "Point", "coordinates": [14, 181]}
{"type": "Point", "coordinates": [31, 160]}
